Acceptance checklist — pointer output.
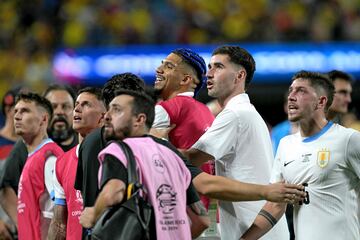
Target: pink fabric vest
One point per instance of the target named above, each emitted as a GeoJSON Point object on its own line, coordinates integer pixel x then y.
{"type": "Point", "coordinates": [32, 194]}
{"type": "Point", "coordinates": [166, 179]}
{"type": "Point", "coordinates": [66, 172]}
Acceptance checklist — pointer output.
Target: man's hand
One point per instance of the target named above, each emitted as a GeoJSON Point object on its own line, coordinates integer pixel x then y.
{"type": "Point", "coordinates": [87, 218]}
{"type": "Point", "coordinates": [4, 231]}
{"type": "Point", "coordinates": [284, 192]}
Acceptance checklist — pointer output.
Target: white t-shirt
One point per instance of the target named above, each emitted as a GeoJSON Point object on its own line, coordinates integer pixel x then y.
{"type": "Point", "coordinates": [239, 141]}
{"type": "Point", "coordinates": [329, 162]}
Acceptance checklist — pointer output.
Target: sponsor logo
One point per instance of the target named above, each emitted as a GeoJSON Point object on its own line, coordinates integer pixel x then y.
{"type": "Point", "coordinates": [21, 207]}
{"type": "Point", "coordinates": [76, 213]}
{"type": "Point", "coordinates": [158, 163]}
{"type": "Point", "coordinates": [287, 163]}
{"type": "Point", "coordinates": [323, 158]}
{"type": "Point", "coordinates": [20, 188]}
{"type": "Point", "coordinates": [79, 198]}
{"type": "Point", "coordinates": [166, 198]}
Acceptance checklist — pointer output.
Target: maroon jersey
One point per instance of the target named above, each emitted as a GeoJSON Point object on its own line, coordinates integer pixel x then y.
{"type": "Point", "coordinates": [192, 119]}
{"type": "Point", "coordinates": [66, 194]}
{"type": "Point", "coordinates": [33, 198]}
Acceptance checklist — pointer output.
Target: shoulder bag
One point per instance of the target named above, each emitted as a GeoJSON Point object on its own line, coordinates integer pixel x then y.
{"type": "Point", "coordinates": [129, 220]}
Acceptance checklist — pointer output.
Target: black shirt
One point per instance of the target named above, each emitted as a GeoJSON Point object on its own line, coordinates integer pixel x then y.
{"type": "Point", "coordinates": [88, 166]}
{"type": "Point", "coordinates": [74, 142]}
{"type": "Point", "coordinates": [13, 166]}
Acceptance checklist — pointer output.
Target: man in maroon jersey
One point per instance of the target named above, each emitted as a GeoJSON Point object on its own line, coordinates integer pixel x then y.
{"type": "Point", "coordinates": [178, 80]}
{"type": "Point", "coordinates": [34, 211]}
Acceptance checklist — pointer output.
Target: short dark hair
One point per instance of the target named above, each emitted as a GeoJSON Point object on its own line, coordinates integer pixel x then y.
{"type": "Point", "coordinates": [142, 103]}
{"type": "Point", "coordinates": [241, 57]}
{"type": "Point", "coordinates": [67, 88]}
{"type": "Point", "coordinates": [318, 80]}
{"type": "Point", "coordinates": [97, 92]}
{"type": "Point", "coordinates": [127, 81]}
{"type": "Point", "coordinates": [335, 74]}
{"type": "Point", "coordinates": [39, 101]}
{"type": "Point", "coordinates": [195, 61]}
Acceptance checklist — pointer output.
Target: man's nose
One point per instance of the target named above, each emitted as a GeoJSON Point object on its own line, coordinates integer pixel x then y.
{"type": "Point", "coordinates": [159, 69]}
{"type": "Point", "coordinates": [209, 74]}
{"type": "Point", "coordinates": [59, 110]}
{"type": "Point", "coordinates": [107, 116]}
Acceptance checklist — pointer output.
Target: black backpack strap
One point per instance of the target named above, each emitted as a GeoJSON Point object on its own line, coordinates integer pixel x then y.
{"type": "Point", "coordinates": [134, 183]}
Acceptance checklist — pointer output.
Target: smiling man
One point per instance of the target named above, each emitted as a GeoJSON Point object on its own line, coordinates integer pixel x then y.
{"type": "Point", "coordinates": [178, 79]}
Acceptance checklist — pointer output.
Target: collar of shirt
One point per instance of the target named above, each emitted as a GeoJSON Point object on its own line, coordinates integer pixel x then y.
{"type": "Point", "coordinates": [45, 141]}
{"type": "Point", "coordinates": [241, 98]}
{"type": "Point", "coordinates": [77, 150]}
{"type": "Point", "coordinates": [188, 94]}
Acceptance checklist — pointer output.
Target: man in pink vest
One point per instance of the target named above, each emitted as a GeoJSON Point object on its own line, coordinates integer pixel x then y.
{"type": "Point", "coordinates": [162, 170]}
{"type": "Point", "coordinates": [88, 114]}
{"type": "Point", "coordinates": [32, 116]}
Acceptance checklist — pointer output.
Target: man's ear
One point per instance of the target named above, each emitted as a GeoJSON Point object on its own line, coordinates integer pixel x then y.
{"type": "Point", "coordinates": [187, 80]}
{"type": "Point", "coordinates": [8, 109]}
{"type": "Point", "coordinates": [140, 120]}
{"type": "Point", "coordinates": [45, 118]}
{"type": "Point", "coordinates": [241, 75]}
{"type": "Point", "coordinates": [322, 101]}
{"type": "Point", "coordinates": [102, 119]}
{"type": "Point", "coordinates": [190, 81]}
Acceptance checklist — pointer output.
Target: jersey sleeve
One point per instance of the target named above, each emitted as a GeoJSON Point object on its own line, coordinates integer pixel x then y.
{"type": "Point", "coordinates": [112, 168]}
{"type": "Point", "coordinates": [162, 119]}
{"type": "Point", "coordinates": [220, 139]}
{"type": "Point", "coordinates": [59, 192]}
{"type": "Point", "coordinates": [276, 172]}
{"type": "Point", "coordinates": [48, 175]}
{"type": "Point", "coordinates": [353, 153]}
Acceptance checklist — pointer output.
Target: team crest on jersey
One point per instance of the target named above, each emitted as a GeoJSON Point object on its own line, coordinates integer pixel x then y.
{"type": "Point", "coordinates": [323, 158]}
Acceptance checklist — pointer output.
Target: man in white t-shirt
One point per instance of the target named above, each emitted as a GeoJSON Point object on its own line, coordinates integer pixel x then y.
{"type": "Point", "coordinates": [238, 139]}
{"type": "Point", "coordinates": [324, 157]}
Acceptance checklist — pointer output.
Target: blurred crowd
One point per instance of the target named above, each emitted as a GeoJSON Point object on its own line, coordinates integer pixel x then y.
{"type": "Point", "coordinates": [30, 31]}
